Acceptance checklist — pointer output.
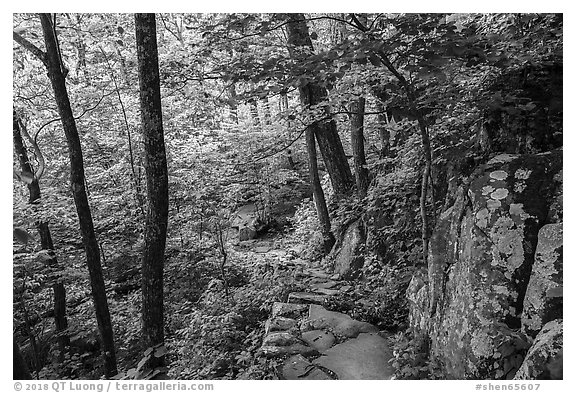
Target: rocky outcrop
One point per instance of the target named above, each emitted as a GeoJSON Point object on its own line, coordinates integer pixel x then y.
{"type": "Point", "coordinates": [349, 257]}
{"type": "Point", "coordinates": [543, 300]}
{"type": "Point", "coordinates": [470, 299]}
{"type": "Point", "coordinates": [544, 359]}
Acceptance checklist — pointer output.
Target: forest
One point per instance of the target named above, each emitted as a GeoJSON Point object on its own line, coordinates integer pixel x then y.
{"type": "Point", "coordinates": [287, 196]}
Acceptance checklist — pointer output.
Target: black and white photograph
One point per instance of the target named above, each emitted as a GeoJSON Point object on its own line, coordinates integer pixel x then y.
{"type": "Point", "coordinates": [286, 196]}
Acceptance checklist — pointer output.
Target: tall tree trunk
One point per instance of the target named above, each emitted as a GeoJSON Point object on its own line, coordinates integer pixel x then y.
{"type": "Point", "coordinates": [318, 193]}
{"type": "Point", "coordinates": [157, 182]}
{"type": "Point", "coordinates": [60, 320]}
{"type": "Point", "coordinates": [77, 179]}
{"type": "Point", "coordinates": [20, 369]}
{"type": "Point", "coordinates": [299, 46]}
{"type": "Point", "coordinates": [357, 139]}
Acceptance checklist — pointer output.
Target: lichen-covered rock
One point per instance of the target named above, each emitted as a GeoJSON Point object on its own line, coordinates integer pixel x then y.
{"type": "Point", "coordinates": [543, 300]}
{"type": "Point", "coordinates": [349, 258]}
{"type": "Point", "coordinates": [544, 358]}
{"type": "Point", "coordinates": [481, 256]}
{"type": "Point", "coordinates": [417, 295]}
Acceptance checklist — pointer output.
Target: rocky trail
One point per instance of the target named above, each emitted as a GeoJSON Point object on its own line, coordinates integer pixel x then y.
{"type": "Point", "coordinates": [315, 343]}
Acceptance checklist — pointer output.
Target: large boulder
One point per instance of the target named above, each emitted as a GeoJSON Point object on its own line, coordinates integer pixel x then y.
{"type": "Point", "coordinates": [544, 359]}
{"type": "Point", "coordinates": [543, 300]}
{"type": "Point", "coordinates": [349, 257]}
{"type": "Point", "coordinates": [245, 219]}
{"type": "Point", "coordinates": [481, 255]}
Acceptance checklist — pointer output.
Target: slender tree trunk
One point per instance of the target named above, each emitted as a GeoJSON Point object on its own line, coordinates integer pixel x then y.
{"type": "Point", "coordinates": [157, 182]}
{"type": "Point", "coordinates": [267, 114]}
{"type": "Point", "coordinates": [357, 139]}
{"type": "Point", "coordinates": [318, 193]}
{"type": "Point", "coordinates": [80, 47]}
{"type": "Point", "coordinates": [299, 45]}
{"type": "Point", "coordinates": [283, 107]}
{"type": "Point", "coordinates": [426, 148]}
{"type": "Point", "coordinates": [77, 179]}
{"type": "Point", "coordinates": [233, 104]}
{"type": "Point", "coordinates": [45, 237]}
{"type": "Point", "coordinates": [20, 369]}
{"type": "Point", "coordinates": [383, 131]}
{"type": "Point", "coordinates": [254, 113]}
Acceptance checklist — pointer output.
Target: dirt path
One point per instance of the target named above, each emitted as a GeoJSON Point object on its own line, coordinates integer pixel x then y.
{"type": "Point", "coordinates": [317, 343]}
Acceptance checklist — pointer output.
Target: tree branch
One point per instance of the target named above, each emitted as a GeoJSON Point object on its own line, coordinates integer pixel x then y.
{"type": "Point", "coordinates": [39, 156]}
{"type": "Point", "coordinates": [23, 42]}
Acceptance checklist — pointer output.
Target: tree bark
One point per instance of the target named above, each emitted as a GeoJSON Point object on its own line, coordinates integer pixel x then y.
{"type": "Point", "coordinates": [357, 139]}
{"type": "Point", "coordinates": [20, 369]}
{"type": "Point", "coordinates": [77, 180]}
{"type": "Point", "coordinates": [383, 131]}
{"type": "Point", "coordinates": [233, 103]}
{"type": "Point", "coordinates": [157, 182]}
{"type": "Point", "coordinates": [426, 147]}
{"type": "Point", "coordinates": [283, 108]}
{"type": "Point", "coordinates": [426, 150]}
{"type": "Point", "coordinates": [254, 113]}
{"type": "Point", "coordinates": [318, 193]}
{"type": "Point", "coordinates": [299, 43]}
{"type": "Point", "coordinates": [267, 114]}
{"type": "Point", "coordinates": [60, 319]}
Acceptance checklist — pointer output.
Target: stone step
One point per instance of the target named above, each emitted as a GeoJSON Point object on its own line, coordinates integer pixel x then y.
{"type": "Point", "coordinates": [317, 273]}
{"type": "Point", "coordinates": [327, 292]}
{"type": "Point", "coordinates": [320, 340]}
{"type": "Point", "coordinates": [341, 324]}
{"type": "Point", "coordinates": [279, 324]}
{"type": "Point", "coordinates": [324, 285]}
{"type": "Point", "coordinates": [306, 298]}
{"type": "Point", "coordinates": [365, 357]}
{"type": "Point", "coordinates": [288, 310]}
{"type": "Point", "coordinates": [272, 351]}
{"type": "Point", "coordinates": [280, 339]}
{"type": "Point", "coordinates": [298, 367]}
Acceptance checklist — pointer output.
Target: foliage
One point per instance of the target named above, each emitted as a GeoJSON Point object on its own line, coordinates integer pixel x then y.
{"type": "Point", "coordinates": [411, 358]}
{"type": "Point", "coordinates": [219, 336]}
{"type": "Point", "coordinates": [231, 112]}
